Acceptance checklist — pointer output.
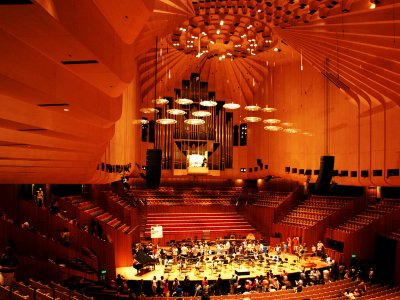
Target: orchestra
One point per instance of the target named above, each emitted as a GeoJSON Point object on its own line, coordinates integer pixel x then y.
{"type": "Point", "coordinates": [215, 255]}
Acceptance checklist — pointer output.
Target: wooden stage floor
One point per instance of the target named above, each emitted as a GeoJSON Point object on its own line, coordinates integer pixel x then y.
{"type": "Point", "coordinates": [226, 270]}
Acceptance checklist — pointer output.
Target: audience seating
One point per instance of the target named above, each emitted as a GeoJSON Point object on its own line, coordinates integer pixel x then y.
{"type": "Point", "coordinates": [368, 216]}
{"type": "Point", "coordinates": [171, 196]}
{"type": "Point", "coordinates": [315, 210]}
{"type": "Point", "coordinates": [183, 225]}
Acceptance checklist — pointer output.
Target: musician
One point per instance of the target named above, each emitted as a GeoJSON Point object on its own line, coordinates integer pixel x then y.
{"type": "Point", "coordinates": [289, 244]}
{"type": "Point", "coordinates": [320, 248]}
{"type": "Point", "coordinates": [197, 266]}
{"type": "Point", "coordinates": [300, 251]}
{"type": "Point", "coordinates": [184, 251]}
{"type": "Point", "coordinates": [278, 249]}
{"type": "Point", "coordinates": [227, 247]}
{"type": "Point", "coordinates": [175, 254]}
{"type": "Point", "coordinates": [195, 251]}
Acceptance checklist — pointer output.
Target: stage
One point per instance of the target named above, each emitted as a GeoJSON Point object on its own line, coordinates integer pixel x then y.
{"type": "Point", "coordinates": [211, 270]}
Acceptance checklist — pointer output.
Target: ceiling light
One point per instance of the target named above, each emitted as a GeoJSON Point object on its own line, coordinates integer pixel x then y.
{"type": "Point", "coordinates": [272, 121]}
{"type": "Point", "coordinates": [176, 112]}
{"type": "Point", "coordinates": [244, 28]}
{"type": "Point", "coordinates": [148, 110]}
{"type": "Point", "coordinates": [273, 128]}
{"type": "Point", "coordinates": [140, 121]}
{"type": "Point", "coordinates": [66, 109]}
{"type": "Point", "coordinates": [166, 121]}
{"type": "Point", "coordinates": [161, 101]}
{"type": "Point", "coordinates": [194, 121]}
{"type": "Point", "coordinates": [231, 105]}
{"type": "Point", "coordinates": [276, 49]}
{"type": "Point", "coordinates": [290, 130]}
{"type": "Point", "coordinates": [268, 109]}
{"type": "Point", "coordinates": [286, 124]}
{"type": "Point", "coordinates": [252, 119]}
{"type": "Point", "coordinates": [201, 113]}
{"type": "Point", "coordinates": [184, 101]}
{"type": "Point", "coordinates": [252, 107]}
{"type": "Point", "coordinates": [208, 103]}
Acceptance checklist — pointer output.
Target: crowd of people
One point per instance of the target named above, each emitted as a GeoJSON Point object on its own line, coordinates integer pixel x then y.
{"type": "Point", "coordinates": [198, 251]}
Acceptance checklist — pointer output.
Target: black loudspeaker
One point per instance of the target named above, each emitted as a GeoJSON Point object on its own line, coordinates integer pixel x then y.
{"type": "Point", "coordinates": [325, 174]}
{"type": "Point", "coordinates": [144, 132]}
{"type": "Point", "coordinates": [153, 167]}
{"type": "Point", "coordinates": [236, 135]}
{"type": "Point", "coordinates": [152, 125]}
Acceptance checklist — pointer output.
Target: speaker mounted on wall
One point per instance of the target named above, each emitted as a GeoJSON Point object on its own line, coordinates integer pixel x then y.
{"type": "Point", "coordinates": [323, 182]}
{"type": "Point", "coordinates": [153, 167]}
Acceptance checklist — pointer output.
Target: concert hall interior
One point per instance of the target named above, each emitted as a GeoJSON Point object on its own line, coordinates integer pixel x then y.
{"type": "Point", "coordinates": [133, 129]}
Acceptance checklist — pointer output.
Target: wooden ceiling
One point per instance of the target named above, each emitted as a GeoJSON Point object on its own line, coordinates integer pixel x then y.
{"type": "Point", "coordinates": [65, 64]}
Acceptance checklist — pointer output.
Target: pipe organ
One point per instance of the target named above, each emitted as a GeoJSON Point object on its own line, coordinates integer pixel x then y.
{"type": "Point", "coordinates": [182, 144]}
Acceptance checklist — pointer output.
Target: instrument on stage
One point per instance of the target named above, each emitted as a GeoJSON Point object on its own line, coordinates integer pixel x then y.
{"type": "Point", "coordinates": [143, 260]}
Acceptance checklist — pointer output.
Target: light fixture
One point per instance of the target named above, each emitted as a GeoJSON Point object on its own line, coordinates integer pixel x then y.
{"type": "Point", "coordinates": [268, 109]}
{"type": "Point", "coordinates": [176, 112]}
{"type": "Point", "coordinates": [290, 130]}
{"type": "Point", "coordinates": [252, 107]}
{"type": "Point", "coordinates": [148, 110]}
{"type": "Point", "coordinates": [184, 101]}
{"type": "Point", "coordinates": [201, 113]}
{"type": "Point", "coordinates": [231, 105]}
{"type": "Point", "coordinates": [166, 121]}
{"type": "Point", "coordinates": [273, 128]}
{"type": "Point", "coordinates": [160, 101]}
{"type": "Point", "coordinates": [272, 121]}
{"type": "Point", "coordinates": [237, 34]}
{"type": "Point", "coordinates": [140, 121]}
{"type": "Point", "coordinates": [208, 103]}
{"type": "Point", "coordinates": [286, 124]}
{"type": "Point", "coordinates": [252, 119]}
{"type": "Point", "coordinates": [194, 121]}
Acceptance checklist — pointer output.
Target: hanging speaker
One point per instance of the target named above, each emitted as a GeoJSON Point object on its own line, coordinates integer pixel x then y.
{"type": "Point", "coordinates": [153, 167]}
{"type": "Point", "coordinates": [144, 132]}
{"type": "Point", "coordinates": [151, 131]}
{"type": "Point", "coordinates": [325, 174]}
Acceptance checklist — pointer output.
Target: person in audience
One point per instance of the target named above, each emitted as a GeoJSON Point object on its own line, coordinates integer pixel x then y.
{"type": "Point", "coordinates": [65, 237]}
{"type": "Point", "coordinates": [175, 285]}
{"type": "Point", "coordinates": [25, 225]}
{"type": "Point", "coordinates": [231, 284]}
{"type": "Point", "coordinates": [197, 290]}
{"type": "Point", "coordinates": [371, 276]}
{"type": "Point", "coordinates": [166, 291]}
{"type": "Point", "coordinates": [119, 281]}
{"type": "Point", "coordinates": [349, 294]}
{"type": "Point", "coordinates": [178, 292]}
{"type": "Point", "coordinates": [154, 286]}
{"type": "Point", "coordinates": [8, 265]}
{"type": "Point", "coordinates": [325, 275]}
{"type": "Point", "coordinates": [299, 286]}
{"type": "Point", "coordinates": [186, 286]}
